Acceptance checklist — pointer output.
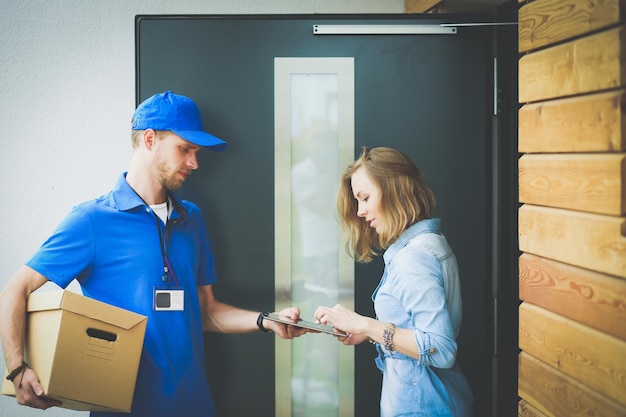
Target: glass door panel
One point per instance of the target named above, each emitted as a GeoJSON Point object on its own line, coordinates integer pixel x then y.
{"type": "Point", "coordinates": [314, 141]}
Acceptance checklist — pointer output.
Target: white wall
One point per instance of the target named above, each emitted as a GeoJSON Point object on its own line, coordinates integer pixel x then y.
{"type": "Point", "coordinates": [67, 83]}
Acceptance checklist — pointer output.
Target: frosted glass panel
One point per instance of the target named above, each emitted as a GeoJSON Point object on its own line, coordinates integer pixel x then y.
{"type": "Point", "coordinates": [314, 141]}
{"type": "Point", "coordinates": [314, 269]}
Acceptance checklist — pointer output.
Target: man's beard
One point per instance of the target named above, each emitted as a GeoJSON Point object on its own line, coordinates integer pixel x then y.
{"type": "Point", "coordinates": [168, 180]}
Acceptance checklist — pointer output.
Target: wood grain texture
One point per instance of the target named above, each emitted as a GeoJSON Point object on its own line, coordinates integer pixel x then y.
{"type": "Point", "coordinates": [546, 22]}
{"type": "Point", "coordinates": [591, 241]}
{"type": "Point", "coordinates": [584, 65]}
{"type": "Point", "coordinates": [594, 299]}
{"type": "Point", "coordinates": [420, 6]}
{"type": "Point", "coordinates": [564, 344]}
{"type": "Point", "coordinates": [526, 409]}
{"type": "Point", "coordinates": [585, 182]}
{"type": "Point", "coordinates": [590, 123]}
{"type": "Point", "coordinates": [555, 394]}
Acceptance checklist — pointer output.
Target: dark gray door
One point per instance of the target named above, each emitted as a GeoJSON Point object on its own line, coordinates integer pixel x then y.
{"type": "Point", "coordinates": [427, 95]}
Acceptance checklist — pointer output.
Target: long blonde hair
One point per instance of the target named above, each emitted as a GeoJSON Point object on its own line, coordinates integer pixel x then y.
{"type": "Point", "coordinates": [406, 199]}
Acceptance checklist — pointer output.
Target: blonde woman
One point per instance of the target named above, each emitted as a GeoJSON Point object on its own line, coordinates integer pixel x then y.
{"type": "Point", "coordinates": [385, 205]}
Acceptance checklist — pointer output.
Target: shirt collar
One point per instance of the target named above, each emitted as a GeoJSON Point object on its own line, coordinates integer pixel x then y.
{"type": "Point", "coordinates": [423, 226]}
{"type": "Point", "coordinates": [126, 198]}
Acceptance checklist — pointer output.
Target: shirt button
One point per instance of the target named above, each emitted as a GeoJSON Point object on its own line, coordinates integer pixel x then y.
{"type": "Point", "coordinates": [432, 351]}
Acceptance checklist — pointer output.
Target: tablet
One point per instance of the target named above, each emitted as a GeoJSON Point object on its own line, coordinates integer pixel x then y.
{"type": "Point", "coordinates": [305, 324]}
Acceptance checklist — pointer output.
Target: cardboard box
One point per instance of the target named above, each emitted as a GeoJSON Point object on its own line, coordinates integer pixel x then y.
{"type": "Point", "coordinates": [85, 352]}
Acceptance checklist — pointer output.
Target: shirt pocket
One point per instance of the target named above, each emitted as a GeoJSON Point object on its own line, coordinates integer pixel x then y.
{"type": "Point", "coordinates": [402, 371]}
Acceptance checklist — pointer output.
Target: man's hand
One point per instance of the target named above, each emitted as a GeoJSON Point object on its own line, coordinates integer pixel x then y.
{"type": "Point", "coordinates": [286, 331]}
{"type": "Point", "coordinates": [28, 391]}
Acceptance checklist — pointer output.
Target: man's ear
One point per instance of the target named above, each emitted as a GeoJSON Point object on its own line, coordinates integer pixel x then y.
{"type": "Point", "coordinates": [149, 138]}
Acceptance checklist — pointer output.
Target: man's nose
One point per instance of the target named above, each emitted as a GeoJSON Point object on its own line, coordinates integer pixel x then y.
{"type": "Point", "coordinates": [192, 162]}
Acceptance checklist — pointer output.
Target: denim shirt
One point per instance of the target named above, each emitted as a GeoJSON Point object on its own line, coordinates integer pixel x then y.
{"type": "Point", "coordinates": [420, 290]}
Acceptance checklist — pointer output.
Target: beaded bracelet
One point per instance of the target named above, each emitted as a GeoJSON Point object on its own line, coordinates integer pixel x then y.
{"type": "Point", "coordinates": [388, 336]}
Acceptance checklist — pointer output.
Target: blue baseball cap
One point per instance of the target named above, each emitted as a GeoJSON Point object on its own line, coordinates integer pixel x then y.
{"type": "Point", "coordinates": [178, 114]}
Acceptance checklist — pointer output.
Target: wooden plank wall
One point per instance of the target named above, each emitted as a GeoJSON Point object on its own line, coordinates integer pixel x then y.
{"type": "Point", "coordinates": [423, 6]}
{"type": "Point", "coordinates": [572, 217]}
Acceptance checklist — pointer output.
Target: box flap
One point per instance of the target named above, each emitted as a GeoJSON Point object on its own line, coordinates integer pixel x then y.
{"type": "Point", "coordinates": [88, 307]}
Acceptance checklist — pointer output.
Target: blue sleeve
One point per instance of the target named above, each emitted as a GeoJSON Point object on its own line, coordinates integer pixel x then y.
{"type": "Point", "coordinates": [206, 274]}
{"type": "Point", "coordinates": [68, 252]}
{"type": "Point", "coordinates": [422, 294]}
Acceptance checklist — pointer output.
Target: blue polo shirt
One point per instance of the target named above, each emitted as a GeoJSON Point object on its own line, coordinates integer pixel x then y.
{"type": "Point", "coordinates": [111, 246]}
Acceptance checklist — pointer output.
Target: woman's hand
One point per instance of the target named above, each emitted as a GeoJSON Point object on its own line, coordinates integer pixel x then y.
{"type": "Point", "coordinates": [344, 320]}
{"type": "Point", "coordinates": [352, 339]}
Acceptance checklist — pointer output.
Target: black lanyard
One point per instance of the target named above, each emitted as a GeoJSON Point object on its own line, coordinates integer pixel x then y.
{"type": "Point", "coordinates": [167, 267]}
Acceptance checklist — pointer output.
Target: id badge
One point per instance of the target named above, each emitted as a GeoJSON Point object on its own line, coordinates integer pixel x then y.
{"type": "Point", "coordinates": [169, 299]}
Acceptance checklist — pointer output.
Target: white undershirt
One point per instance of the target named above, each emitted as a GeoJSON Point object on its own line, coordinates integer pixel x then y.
{"type": "Point", "coordinates": [161, 210]}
